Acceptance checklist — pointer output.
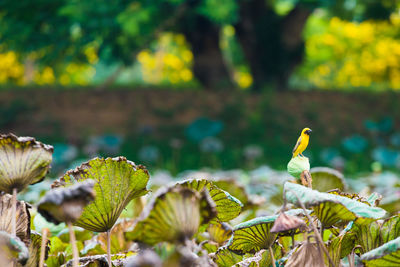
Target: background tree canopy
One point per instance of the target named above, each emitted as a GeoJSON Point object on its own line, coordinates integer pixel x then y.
{"type": "Point", "coordinates": [219, 42]}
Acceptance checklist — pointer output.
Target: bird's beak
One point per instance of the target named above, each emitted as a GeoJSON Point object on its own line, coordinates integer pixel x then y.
{"type": "Point", "coordinates": [308, 131]}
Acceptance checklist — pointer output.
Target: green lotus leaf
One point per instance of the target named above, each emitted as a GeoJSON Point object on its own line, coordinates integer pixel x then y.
{"type": "Point", "coordinates": [331, 208]}
{"type": "Point", "coordinates": [118, 181]}
{"type": "Point", "coordinates": [253, 235]}
{"type": "Point", "coordinates": [227, 206]}
{"type": "Point", "coordinates": [297, 165]}
{"type": "Point", "coordinates": [210, 246]}
{"type": "Point", "coordinates": [325, 179]}
{"type": "Point", "coordinates": [341, 246]}
{"type": "Point", "coordinates": [23, 161]}
{"type": "Point", "coordinates": [386, 255]}
{"type": "Point", "coordinates": [80, 234]}
{"type": "Point", "coordinates": [219, 232]}
{"type": "Point", "coordinates": [367, 232]}
{"type": "Point", "coordinates": [39, 223]}
{"type": "Point", "coordinates": [11, 247]}
{"type": "Point", "coordinates": [371, 234]}
{"type": "Point", "coordinates": [390, 228]}
{"type": "Point", "coordinates": [23, 218]}
{"type": "Point", "coordinates": [234, 189]}
{"type": "Point", "coordinates": [92, 247]}
{"type": "Point", "coordinates": [226, 258]}
{"type": "Point", "coordinates": [56, 254]}
{"type": "Point", "coordinates": [34, 249]}
{"type": "Point", "coordinates": [66, 204]}
{"type": "Point", "coordinates": [174, 215]}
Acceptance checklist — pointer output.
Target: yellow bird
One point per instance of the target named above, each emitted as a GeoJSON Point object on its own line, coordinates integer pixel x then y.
{"type": "Point", "coordinates": [302, 142]}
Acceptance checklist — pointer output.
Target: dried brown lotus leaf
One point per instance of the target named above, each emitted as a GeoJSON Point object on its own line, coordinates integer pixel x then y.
{"type": "Point", "coordinates": [286, 222]}
{"type": "Point", "coordinates": [23, 218]}
{"type": "Point", "coordinates": [308, 254]}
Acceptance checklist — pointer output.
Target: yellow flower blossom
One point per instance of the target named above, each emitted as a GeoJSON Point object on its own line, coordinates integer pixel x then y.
{"type": "Point", "coordinates": [350, 54]}
{"type": "Point", "coordinates": [169, 63]}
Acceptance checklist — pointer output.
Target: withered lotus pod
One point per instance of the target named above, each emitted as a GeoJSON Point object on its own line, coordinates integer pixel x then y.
{"type": "Point", "coordinates": [286, 222]}
{"type": "Point", "coordinates": [23, 217]}
{"type": "Point", "coordinates": [66, 204]}
{"type": "Point", "coordinates": [308, 254]}
{"type": "Point", "coordinates": [23, 161]}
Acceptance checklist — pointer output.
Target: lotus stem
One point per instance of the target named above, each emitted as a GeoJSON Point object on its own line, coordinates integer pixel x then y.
{"type": "Point", "coordinates": [272, 256]}
{"type": "Point", "coordinates": [293, 241]}
{"type": "Point", "coordinates": [14, 213]}
{"type": "Point", "coordinates": [350, 260]}
{"type": "Point", "coordinates": [317, 233]}
{"type": "Point", "coordinates": [351, 256]}
{"type": "Point", "coordinates": [75, 255]}
{"type": "Point", "coordinates": [306, 179]}
{"type": "Point", "coordinates": [43, 246]}
{"type": "Point", "coordinates": [109, 248]}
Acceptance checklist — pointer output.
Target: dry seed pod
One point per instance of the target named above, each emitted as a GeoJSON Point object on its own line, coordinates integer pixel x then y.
{"type": "Point", "coordinates": [308, 255]}
{"type": "Point", "coordinates": [286, 222]}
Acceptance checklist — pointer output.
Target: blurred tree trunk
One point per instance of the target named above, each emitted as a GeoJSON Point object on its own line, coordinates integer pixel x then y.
{"type": "Point", "coordinates": [273, 45]}
{"type": "Point", "coordinates": [208, 62]}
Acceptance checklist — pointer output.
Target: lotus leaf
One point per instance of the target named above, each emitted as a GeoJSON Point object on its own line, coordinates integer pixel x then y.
{"type": "Point", "coordinates": [253, 235]}
{"type": "Point", "coordinates": [226, 258]}
{"type": "Point", "coordinates": [386, 255]}
{"type": "Point", "coordinates": [118, 181]}
{"type": "Point", "coordinates": [174, 215]}
{"type": "Point", "coordinates": [233, 188]}
{"type": "Point", "coordinates": [219, 232]}
{"type": "Point", "coordinates": [325, 179]}
{"type": "Point", "coordinates": [227, 206]}
{"type": "Point", "coordinates": [23, 161]}
{"type": "Point", "coordinates": [331, 208]}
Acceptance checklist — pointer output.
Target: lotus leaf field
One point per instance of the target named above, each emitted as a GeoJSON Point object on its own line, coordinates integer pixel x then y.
{"type": "Point", "coordinates": [111, 212]}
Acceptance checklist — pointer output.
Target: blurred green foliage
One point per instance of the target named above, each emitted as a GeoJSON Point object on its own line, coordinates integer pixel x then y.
{"type": "Point", "coordinates": [70, 42]}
